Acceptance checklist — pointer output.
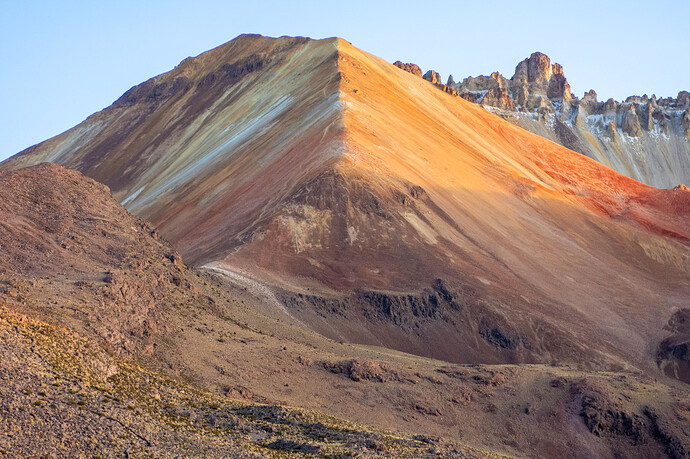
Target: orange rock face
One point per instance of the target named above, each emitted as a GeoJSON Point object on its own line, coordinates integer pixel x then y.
{"type": "Point", "coordinates": [314, 165]}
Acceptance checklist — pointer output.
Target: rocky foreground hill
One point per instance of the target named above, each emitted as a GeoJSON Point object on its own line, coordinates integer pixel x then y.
{"type": "Point", "coordinates": [644, 137]}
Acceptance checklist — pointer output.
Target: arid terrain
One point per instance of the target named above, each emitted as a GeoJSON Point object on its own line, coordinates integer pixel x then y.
{"type": "Point", "coordinates": [644, 137]}
{"type": "Point", "coordinates": [345, 240]}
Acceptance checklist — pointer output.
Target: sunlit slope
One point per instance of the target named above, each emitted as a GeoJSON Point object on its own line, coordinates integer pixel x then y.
{"type": "Point", "coordinates": [521, 213]}
{"type": "Point", "coordinates": [428, 177]}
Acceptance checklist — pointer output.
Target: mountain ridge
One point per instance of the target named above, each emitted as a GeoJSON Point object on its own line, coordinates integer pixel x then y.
{"type": "Point", "coordinates": [646, 138]}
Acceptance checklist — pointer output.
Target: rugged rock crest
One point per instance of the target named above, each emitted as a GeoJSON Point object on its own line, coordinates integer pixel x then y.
{"type": "Point", "coordinates": [643, 137]}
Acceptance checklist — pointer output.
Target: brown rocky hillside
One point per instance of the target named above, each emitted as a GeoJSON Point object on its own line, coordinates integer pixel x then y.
{"type": "Point", "coordinates": [110, 344]}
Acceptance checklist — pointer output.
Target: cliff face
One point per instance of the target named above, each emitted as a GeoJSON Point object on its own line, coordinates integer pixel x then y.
{"type": "Point", "coordinates": [645, 138]}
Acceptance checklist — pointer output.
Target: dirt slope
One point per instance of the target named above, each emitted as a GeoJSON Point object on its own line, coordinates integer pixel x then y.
{"type": "Point", "coordinates": [110, 345]}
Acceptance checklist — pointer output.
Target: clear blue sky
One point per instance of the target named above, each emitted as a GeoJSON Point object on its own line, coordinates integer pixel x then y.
{"type": "Point", "coordinates": [60, 61]}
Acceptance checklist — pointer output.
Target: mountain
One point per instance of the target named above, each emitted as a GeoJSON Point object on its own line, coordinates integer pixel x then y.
{"type": "Point", "coordinates": [380, 210]}
{"type": "Point", "coordinates": [646, 138]}
{"type": "Point", "coordinates": [319, 192]}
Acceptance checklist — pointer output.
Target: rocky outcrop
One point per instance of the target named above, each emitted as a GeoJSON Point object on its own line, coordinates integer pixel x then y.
{"type": "Point", "coordinates": [498, 97]}
{"type": "Point", "coordinates": [433, 77]}
{"type": "Point", "coordinates": [624, 424]}
{"type": "Point", "coordinates": [673, 353]}
{"type": "Point", "coordinates": [685, 122]}
{"type": "Point", "coordinates": [631, 124]}
{"type": "Point", "coordinates": [400, 318]}
{"type": "Point", "coordinates": [644, 137]}
{"type": "Point", "coordinates": [412, 68]}
{"type": "Point", "coordinates": [536, 84]}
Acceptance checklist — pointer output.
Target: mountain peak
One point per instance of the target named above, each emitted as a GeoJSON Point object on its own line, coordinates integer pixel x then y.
{"type": "Point", "coordinates": [537, 85]}
{"type": "Point", "coordinates": [539, 68]}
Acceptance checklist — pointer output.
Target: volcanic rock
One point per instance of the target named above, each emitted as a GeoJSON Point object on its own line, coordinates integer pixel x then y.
{"type": "Point", "coordinates": [433, 77]}
{"type": "Point", "coordinates": [498, 97]}
{"type": "Point", "coordinates": [412, 68]}
{"type": "Point", "coordinates": [631, 122]}
{"type": "Point", "coordinates": [540, 90]}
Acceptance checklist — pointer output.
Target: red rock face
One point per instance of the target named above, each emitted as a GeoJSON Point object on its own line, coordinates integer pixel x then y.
{"type": "Point", "coordinates": [314, 165]}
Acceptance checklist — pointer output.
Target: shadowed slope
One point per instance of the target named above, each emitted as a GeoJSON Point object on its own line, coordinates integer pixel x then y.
{"type": "Point", "coordinates": [201, 150]}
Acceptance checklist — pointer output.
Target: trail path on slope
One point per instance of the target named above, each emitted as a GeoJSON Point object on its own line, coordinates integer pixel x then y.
{"type": "Point", "coordinates": [255, 288]}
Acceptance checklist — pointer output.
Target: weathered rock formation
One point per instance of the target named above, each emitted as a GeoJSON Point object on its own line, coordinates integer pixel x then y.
{"type": "Point", "coordinates": [412, 68]}
{"type": "Point", "coordinates": [645, 138]}
{"type": "Point", "coordinates": [431, 76]}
